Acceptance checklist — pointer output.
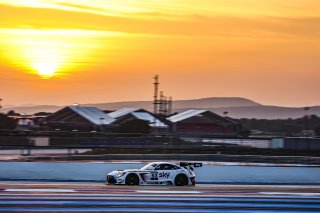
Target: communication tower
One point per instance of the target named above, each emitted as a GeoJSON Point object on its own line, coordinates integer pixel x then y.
{"type": "Point", "coordinates": [162, 105]}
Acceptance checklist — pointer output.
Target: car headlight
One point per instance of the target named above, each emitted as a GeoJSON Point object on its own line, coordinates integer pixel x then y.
{"type": "Point", "coordinates": [120, 174]}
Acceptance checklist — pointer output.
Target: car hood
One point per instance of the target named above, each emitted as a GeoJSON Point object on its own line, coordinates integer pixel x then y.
{"type": "Point", "coordinates": [129, 170]}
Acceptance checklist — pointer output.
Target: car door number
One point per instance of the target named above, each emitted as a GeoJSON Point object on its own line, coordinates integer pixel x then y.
{"type": "Point", "coordinates": [154, 176]}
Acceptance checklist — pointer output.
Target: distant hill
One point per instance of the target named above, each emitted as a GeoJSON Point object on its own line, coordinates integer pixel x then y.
{"type": "Point", "coordinates": [213, 102]}
{"type": "Point", "coordinates": [236, 107]}
{"type": "Point", "coordinates": [32, 109]}
{"type": "Point", "coordinates": [264, 112]}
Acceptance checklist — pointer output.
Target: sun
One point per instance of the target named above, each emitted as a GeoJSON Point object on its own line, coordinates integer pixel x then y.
{"type": "Point", "coordinates": [54, 53]}
{"type": "Point", "coordinates": [46, 58]}
{"type": "Point", "coordinates": [45, 69]}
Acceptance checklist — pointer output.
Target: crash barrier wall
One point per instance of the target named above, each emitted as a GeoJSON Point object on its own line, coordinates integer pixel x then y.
{"type": "Point", "coordinates": [230, 174]}
{"type": "Point", "coordinates": [172, 157]}
{"type": "Point", "coordinates": [158, 142]}
{"type": "Point", "coordinates": [296, 143]}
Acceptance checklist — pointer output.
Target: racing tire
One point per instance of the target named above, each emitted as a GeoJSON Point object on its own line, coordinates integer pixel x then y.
{"type": "Point", "coordinates": [132, 179]}
{"type": "Point", "coordinates": [181, 180]}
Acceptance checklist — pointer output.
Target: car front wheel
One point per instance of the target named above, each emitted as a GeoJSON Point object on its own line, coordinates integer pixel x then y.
{"type": "Point", "coordinates": [132, 179]}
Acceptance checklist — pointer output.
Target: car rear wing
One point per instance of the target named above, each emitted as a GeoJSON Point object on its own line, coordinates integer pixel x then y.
{"type": "Point", "coordinates": [185, 164]}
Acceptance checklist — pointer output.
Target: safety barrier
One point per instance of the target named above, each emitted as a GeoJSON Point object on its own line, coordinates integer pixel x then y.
{"type": "Point", "coordinates": [96, 171]}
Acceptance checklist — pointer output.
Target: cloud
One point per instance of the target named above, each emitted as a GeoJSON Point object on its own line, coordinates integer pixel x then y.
{"type": "Point", "coordinates": [191, 25]}
{"type": "Point", "coordinates": [80, 6]}
{"type": "Point", "coordinates": [86, 9]}
{"type": "Point", "coordinates": [297, 26]}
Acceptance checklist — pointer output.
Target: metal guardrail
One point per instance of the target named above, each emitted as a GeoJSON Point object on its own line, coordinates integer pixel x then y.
{"type": "Point", "coordinates": [190, 157]}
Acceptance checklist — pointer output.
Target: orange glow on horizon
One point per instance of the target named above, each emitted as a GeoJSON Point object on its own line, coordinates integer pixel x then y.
{"type": "Point", "coordinates": [50, 53]}
{"type": "Point", "coordinates": [265, 50]}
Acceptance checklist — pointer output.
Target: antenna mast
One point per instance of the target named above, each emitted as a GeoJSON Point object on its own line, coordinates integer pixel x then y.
{"type": "Point", "coordinates": [162, 105]}
{"type": "Point", "coordinates": [155, 96]}
{"type": "Point", "coordinates": [170, 106]}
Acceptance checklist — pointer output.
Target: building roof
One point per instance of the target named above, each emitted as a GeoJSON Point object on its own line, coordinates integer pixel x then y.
{"type": "Point", "coordinates": [122, 112]}
{"type": "Point", "coordinates": [185, 115]}
{"type": "Point", "coordinates": [93, 114]}
{"type": "Point", "coordinates": [153, 121]}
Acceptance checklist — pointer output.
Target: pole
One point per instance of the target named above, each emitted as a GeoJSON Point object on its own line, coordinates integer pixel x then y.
{"type": "Point", "coordinates": [170, 106]}
{"type": "Point", "coordinates": [155, 96]}
{"type": "Point", "coordinates": [306, 109]}
{"type": "Point", "coordinates": [0, 103]}
{"type": "Point", "coordinates": [161, 102]}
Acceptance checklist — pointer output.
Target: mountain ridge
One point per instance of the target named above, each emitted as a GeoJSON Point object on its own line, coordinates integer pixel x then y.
{"type": "Point", "coordinates": [236, 107]}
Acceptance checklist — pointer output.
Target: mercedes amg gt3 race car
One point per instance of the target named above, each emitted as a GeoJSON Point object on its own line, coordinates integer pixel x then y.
{"type": "Point", "coordinates": [156, 173]}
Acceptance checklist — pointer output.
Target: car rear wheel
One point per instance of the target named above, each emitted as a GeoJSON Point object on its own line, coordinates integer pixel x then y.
{"type": "Point", "coordinates": [132, 179]}
{"type": "Point", "coordinates": [181, 180]}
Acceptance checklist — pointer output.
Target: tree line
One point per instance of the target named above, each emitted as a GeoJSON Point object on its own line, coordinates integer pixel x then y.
{"type": "Point", "coordinates": [6, 122]}
{"type": "Point", "coordinates": [287, 127]}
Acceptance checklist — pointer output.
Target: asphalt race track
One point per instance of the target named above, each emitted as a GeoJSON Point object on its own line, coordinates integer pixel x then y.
{"type": "Point", "coordinates": [97, 197]}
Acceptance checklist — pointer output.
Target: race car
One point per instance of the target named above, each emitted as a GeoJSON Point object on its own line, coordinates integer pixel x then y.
{"type": "Point", "coordinates": [156, 173]}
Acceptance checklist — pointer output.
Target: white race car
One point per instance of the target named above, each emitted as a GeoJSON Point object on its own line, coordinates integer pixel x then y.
{"type": "Point", "coordinates": [156, 173]}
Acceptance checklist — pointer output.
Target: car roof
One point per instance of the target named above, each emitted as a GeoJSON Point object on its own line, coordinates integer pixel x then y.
{"type": "Point", "coordinates": [163, 163]}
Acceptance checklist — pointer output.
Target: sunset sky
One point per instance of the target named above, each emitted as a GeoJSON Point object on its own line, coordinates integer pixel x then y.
{"type": "Point", "coordinates": [90, 51]}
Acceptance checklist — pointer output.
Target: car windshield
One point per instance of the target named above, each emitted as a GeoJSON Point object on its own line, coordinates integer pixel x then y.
{"type": "Point", "coordinates": [149, 166]}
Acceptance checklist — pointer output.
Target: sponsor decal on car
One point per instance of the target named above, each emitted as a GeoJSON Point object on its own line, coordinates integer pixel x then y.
{"type": "Point", "coordinates": [164, 174]}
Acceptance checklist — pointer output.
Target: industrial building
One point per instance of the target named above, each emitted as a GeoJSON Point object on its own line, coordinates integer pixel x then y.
{"type": "Point", "coordinates": [124, 111]}
{"type": "Point", "coordinates": [199, 123]}
{"type": "Point", "coordinates": [78, 118]}
{"type": "Point", "coordinates": [128, 114]}
{"type": "Point", "coordinates": [202, 123]}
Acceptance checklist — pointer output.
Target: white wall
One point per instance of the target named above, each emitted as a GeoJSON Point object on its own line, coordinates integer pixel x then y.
{"type": "Point", "coordinates": [207, 174]}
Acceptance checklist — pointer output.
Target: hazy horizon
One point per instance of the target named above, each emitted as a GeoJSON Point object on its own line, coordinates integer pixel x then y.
{"type": "Point", "coordinates": [150, 100]}
{"type": "Point", "coordinates": [60, 52]}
